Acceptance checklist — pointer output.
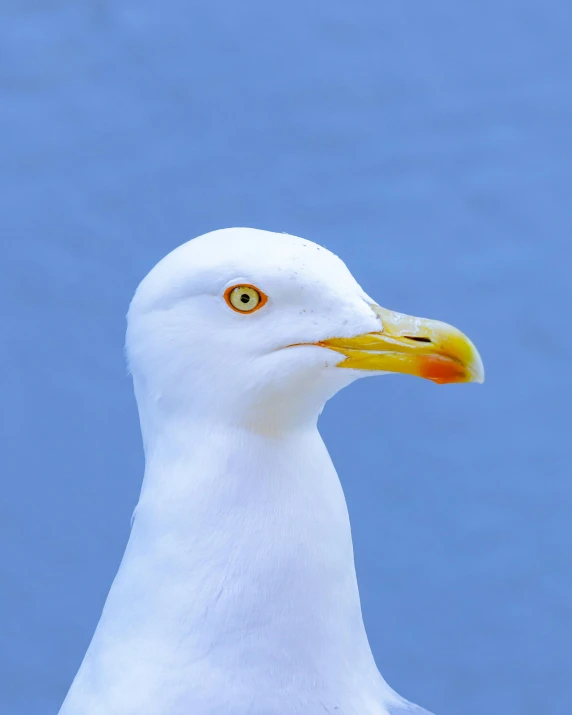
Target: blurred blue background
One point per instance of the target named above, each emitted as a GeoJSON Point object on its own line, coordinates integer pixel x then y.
{"type": "Point", "coordinates": [428, 144]}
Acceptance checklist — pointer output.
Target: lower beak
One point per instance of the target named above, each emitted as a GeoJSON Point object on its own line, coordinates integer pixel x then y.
{"type": "Point", "coordinates": [414, 346]}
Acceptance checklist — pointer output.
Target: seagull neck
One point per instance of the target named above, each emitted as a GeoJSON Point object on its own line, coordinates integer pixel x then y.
{"type": "Point", "coordinates": [237, 586]}
{"type": "Point", "coordinates": [246, 537]}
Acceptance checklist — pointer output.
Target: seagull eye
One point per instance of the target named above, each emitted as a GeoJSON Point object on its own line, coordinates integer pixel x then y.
{"type": "Point", "coordinates": [245, 298]}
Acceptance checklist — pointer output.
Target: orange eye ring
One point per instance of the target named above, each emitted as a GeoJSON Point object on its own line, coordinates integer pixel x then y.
{"type": "Point", "coordinates": [245, 298]}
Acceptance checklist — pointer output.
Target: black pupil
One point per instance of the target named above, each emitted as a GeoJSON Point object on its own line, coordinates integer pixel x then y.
{"type": "Point", "coordinates": [245, 298]}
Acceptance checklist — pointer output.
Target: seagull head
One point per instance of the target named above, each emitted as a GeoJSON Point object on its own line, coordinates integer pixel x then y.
{"type": "Point", "coordinates": [258, 329]}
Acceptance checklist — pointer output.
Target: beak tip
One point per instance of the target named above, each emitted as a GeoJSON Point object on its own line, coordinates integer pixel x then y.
{"type": "Point", "coordinates": [478, 369]}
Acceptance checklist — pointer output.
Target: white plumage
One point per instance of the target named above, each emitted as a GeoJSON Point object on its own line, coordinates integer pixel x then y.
{"type": "Point", "coordinates": [237, 593]}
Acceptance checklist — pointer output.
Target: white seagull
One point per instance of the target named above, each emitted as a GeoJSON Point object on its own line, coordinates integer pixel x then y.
{"type": "Point", "coordinates": [237, 593]}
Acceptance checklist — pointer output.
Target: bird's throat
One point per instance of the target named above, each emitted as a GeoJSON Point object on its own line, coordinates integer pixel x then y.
{"type": "Point", "coordinates": [239, 565]}
{"type": "Point", "coordinates": [252, 531]}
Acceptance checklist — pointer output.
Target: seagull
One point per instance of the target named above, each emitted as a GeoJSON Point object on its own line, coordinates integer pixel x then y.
{"type": "Point", "coordinates": [237, 592]}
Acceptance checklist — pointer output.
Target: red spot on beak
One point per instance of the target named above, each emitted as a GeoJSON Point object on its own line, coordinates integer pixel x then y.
{"type": "Point", "coordinates": [441, 370]}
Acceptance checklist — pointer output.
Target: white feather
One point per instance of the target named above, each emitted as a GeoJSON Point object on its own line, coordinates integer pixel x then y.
{"type": "Point", "coordinates": [237, 593]}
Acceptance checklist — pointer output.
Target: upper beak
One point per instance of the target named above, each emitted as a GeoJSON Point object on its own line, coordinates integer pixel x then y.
{"type": "Point", "coordinates": [414, 346]}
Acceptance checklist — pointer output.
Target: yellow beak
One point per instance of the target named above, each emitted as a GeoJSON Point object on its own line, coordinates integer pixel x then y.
{"type": "Point", "coordinates": [414, 346]}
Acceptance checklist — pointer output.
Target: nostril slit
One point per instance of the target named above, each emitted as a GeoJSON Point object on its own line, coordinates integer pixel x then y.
{"type": "Point", "coordinates": [418, 340]}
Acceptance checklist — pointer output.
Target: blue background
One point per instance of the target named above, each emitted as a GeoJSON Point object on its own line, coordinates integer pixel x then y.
{"type": "Point", "coordinates": [428, 144]}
